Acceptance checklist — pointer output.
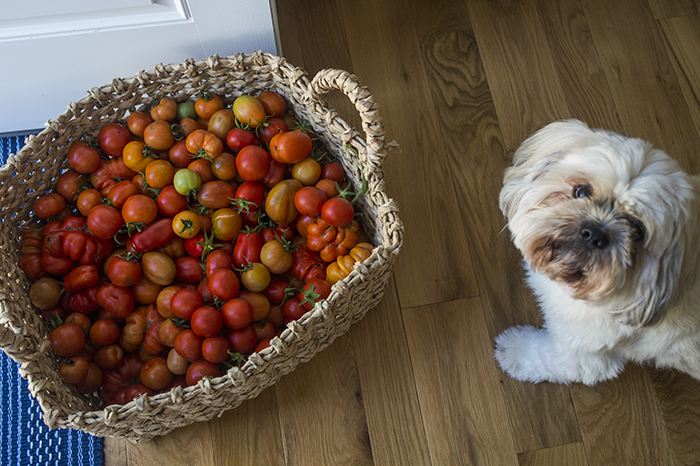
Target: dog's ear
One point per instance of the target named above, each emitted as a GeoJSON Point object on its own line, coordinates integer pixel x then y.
{"type": "Point", "coordinates": [535, 156]}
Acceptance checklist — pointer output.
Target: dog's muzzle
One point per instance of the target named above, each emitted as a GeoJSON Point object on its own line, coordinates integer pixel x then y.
{"type": "Point", "coordinates": [593, 236]}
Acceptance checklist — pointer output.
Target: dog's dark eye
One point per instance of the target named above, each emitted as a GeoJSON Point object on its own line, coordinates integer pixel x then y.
{"type": "Point", "coordinates": [582, 190]}
{"type": "Point", "coordinates": [638, 230]}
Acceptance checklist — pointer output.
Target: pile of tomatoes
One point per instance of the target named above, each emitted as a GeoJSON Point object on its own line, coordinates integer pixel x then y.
{"type": "Point", "coordinates": [184, 240]}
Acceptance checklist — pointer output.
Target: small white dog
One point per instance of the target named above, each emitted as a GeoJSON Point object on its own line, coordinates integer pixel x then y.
{"type": "Point", "coordinates": [608, 227]}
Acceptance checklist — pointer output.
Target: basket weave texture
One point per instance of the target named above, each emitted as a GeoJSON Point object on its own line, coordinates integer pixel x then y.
{"type": "Point", "coordinates": [34, 170]}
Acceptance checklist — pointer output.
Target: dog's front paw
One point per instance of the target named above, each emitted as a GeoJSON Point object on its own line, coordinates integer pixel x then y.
{"type": "Point", "coordinates": [517, 352]}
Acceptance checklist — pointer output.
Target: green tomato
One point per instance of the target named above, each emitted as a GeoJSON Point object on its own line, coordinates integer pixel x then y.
{"type": "Point", "coordinates": [186, 110]}
{"type": "Point", "coordinates": [186, 181]}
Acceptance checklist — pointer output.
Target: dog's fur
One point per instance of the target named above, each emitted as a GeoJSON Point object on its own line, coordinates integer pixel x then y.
{"type": "Point", "coordinates": [608, 228]}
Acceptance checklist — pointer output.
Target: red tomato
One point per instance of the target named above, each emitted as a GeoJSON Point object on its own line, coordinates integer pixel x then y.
{"type": "Point", "coordinates": [168, 332]}
{"type": "Point", "coordinates": [104, 332]}
{"type": "Point", "coordinates": [92, 381]}
{"type": "Point", "coordinates": [189, 269]}
{"type": "Point", "coordinates": [252, 163]}
{"type": "Point", "coordinates": [124, 271]}
{"type": "Point", "coordinates": [139, 209]}
{"type": "Point", "coordinates": [83, 158]}
{"type": "Point", "coordinates": [221, 123]}
{"type": "Point", "coordinates": [314, 290]}
{"type": "Point", "coordinates": [216, 194]}
{"type": "Point", "coordinates": [293, 309]}
{"type": "Point", "coordinates": [189, 345]}
{"type": "Point", "coordinates": [200, 369]}
{"type": "Point", "coordinates": [67, 340]}
{"type": "Point", "coordinates": [223, 284]}
{"type": "Point", "coordinates": [237, 139]}
{"type": "Point", "coordinates": [207, 105]}
{"type": "Point", "coordinates": [80, 277]}
{"type": "Point", "coordinates": [155, 374]}
{"type": "Point", "coordinates": [116, 300]}
{"type": "Point", "coordinates": [218, 259]}
{"type": "Point", "coordinates": [224, 166]}
{"type": "Point", "coordinates": [158, 135]}
{"type": "Point", "coordinates": [226, 223]}
{"type": "Point", "coordinates": [49, 205]}
{"type": "Point", "coordinates": [137, 122]}
{"type": "Point", "coordinates": [275, 291]}
{"type": "Point", "coordinates": [170, 202]}
{"type": "Point", "coordinates": [75, 369]}
{"type": "Point", "coordinates": [338, 212]}
{"type": "Point", "coordinates": [215, 349]}
{"type": "Point", "coordinates": [270, 128]}
{"type": "Point", "coordinates": [247, 248]}
{"type": "Point", "coordinates": [242, 340]}
{"type": "Point", "coordinates": [309, 200]}
{"type": "Point", "coordinates": [104, 221]}
{"type": "Point", "coordinates": [273, 103]}
{"type": "Point", "coordinates": [179, 155]}
{"type": "Point", "coordinates": [307, 172]}
{"type": "Point", "coordinates": [333, 171]}
{"type": "Point", "coordinates": [290, 147]}
{"type": "Point", "coordinates": [109, 357]}
{"type": "Point", "coordinates": [68, 184]}
{"type": "Point", "coordinates": [237, 313]}
{"type": "Point", "coordinates": [264, 330]}
{"type": "Point", "coordinates": [277, 173]}
{"type": "Point", "coordinates": [185, 301]}
{"type": "Point", "coordinates": [251, 192]}
{"type": "Point", "coordinates": [112, 138]}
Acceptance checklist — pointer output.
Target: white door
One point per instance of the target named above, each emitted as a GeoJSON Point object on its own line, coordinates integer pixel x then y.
{"type": "Point", "coordinates": [53, 52]}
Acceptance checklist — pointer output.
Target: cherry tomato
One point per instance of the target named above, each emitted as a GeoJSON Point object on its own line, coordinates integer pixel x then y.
{"type": "Point", "coordinates": [309, 200]}
{"type": "Point", "coordinates": [293, 309]}
{"type": "Point", "coordinates": [277, 173]}
{"type": "Point", "coordinates": [223, 284]}
{"type": "Point", "coordinates": [328, 186]}
{"type": "Point", "coordinates": [271, 127]}
{"type": "Point", "coordinates": [189, 345]}
{"type": "Point", "coordinates": [186, 180]}
{"type": "Point", "coordinates": [221, 123]}
{"type": "Point", "coordinates": [204, 141]}
{"type": "Point", "coordinates": [200, 369]}
{"type": "Point", "coordinates": [176, 363]}
{"type": "Point", "coordinates": [275, 257]}
{"type": "Point", "coordinates": [49, 205]}
{"type": "Point", "coordinates": [74, 370]}
{"type": "Point", "coordinates": [92, 381]}
{"type": "Point", "coordinates": [242, 340]}
{"type": "Point", "coordinates": [81, 277]}
{"type": "Point", "coordinates": [218, 259]}
{"type": "Point", "coordinates": [155, 374]}
{"type": "Point", "coordinates": [260, 304]}
{"type": "Point", "coordinates": [135, 156]}
{"type": "Point", "coordinates": [264, 330]}
{"type": "Point", "coordinates": [116, 300]}
{"type": "Point", "coordinates": [273, 103]}
{"type": "Point", "coordinates": [216, 194]}
{"type": "Point", "coordinates": [247, 248]}
{"type": "Point", "coordinates": [185, 301]}
{"type": "Point", "coordinates": [189, 269]}
{"type": "Point", "coordinates": [104, 332]}
{"type": "Point", "coordinates": [112, 138]}
{"type": "Point", "coordinates": [139, 209]}
{"type": "Point", "coordinates": [159, 174]}
{"type": "Point", "coordinates": [252, 163]}
{"type": "Point", "coordinates": [215, 349]}
{"type": "Point", "coordinates": [290, 147]}
{"type": "Point", "coordinates": [109, 357]}
{"type": "Point", "coordinates": [170, 202]}
{"type": "Point", "coordinates": [251, 192]}
{"type": "Point", "coordinates": [186, 224]}
{"type": "Point", "coordinates": [238, 138]}
{"type": "Point", "coordinates": [124, 271]}
{"type": "Point", "coordinates": [137, 122]}
{"type": "Point", "coordinates": [168, 332]}
{"type": "Point", "coordinates": [249, 110]}
{"type": "Point", "coordinates": [207, 105]}
{"type": "Point", "coordinates": [164, 301]}
{"type": "Point", "coordinates": [226, 223]}
{"type": "Point", "coordinates": [67, 340]}
{"type": "Point", "coordinates": [158, 268]}
{"type": "Point", "coordinates": [83, 158]}
{"type": "Point", "coordinates": [275, 291]}
{"type": "Point", "coordinates": [88, 199]}
{"type": "Point", "coordinates": [224, 166]}
{"type": "Point", "coordinates": [337, 212]}
{"type": "Point", "coordinates": [314, 290]}
{"type": "Point", "coordinates": [158, 135]}
{"type": "Point", "coordinates": [68, 184]}
{"type": "Point", "coordinates": [104, 221]}
{"type": "Point", "coordinates": [178, 154]}
{"type": "Point", "coordinates": [307, 171]}
{"type": "Point", "coordinates": [45, 293]}
{"type": "Point", "coordinates": [237, 313]}
{"type": "Point", "coordinates": [279, 204]}
{"type": "Point", "coordinates": [165, 108]}
{"type": "Point", "coordinates": [256, 277]}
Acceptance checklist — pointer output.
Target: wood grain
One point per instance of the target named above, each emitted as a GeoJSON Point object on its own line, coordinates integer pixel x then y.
{"type": "Point", "coordinates": [679, 402]}
{"type": "Point", "coordinates": [683, 39]}
{"type": "Point", "coordinates": [577, 63]}
{"type": "Point", "coordinates": [473, 139]}
{"type": "Point", "coordinates": [570, 455]}
{"type": "Point", "coordinates": [187, 445]}
{"type": "Point", "coordinates": [463, 410]}
{"type": "Point", "coordinates": [519, 67]}
{"type": "Point", "coordinates": [642, 81]}
{"type": "Point", "coordinates": [321, 411]}
{"type": "Point", "coordinates": [621, 423]}
{"type": "Point", "coordinates": [388, 385]}
{"type": "Point", "coordinates": [249, 434]}
{"type": "Point", "coordinates": [114, 451]}
{"type": "Point", "coordinates": [395, 74]}
{"type": "Point", "coordinates": [670, 9]}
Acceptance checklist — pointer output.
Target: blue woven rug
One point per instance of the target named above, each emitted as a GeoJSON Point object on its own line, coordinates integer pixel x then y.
{"type": "Point", "coordinates": [24, 438]}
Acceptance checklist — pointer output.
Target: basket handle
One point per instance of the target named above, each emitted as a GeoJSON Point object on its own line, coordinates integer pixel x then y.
{"type": "Point", "coordinates": [334, 79]}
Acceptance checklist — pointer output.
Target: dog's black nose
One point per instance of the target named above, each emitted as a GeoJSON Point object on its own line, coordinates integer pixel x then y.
{"type": "Point", "coordinates": [593, 236]}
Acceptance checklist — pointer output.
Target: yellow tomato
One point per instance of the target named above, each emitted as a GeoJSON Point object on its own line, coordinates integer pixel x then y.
{"type": "Point", "coordinates": [186, 224]}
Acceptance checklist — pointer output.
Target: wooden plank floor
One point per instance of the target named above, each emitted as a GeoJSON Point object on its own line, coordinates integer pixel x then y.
{"type": "Point", "coordinates": [461, 83]}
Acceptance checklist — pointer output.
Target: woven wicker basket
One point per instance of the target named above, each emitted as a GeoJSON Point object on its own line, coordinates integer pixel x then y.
{"type": "Point", "coordinates": [36, 167]}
